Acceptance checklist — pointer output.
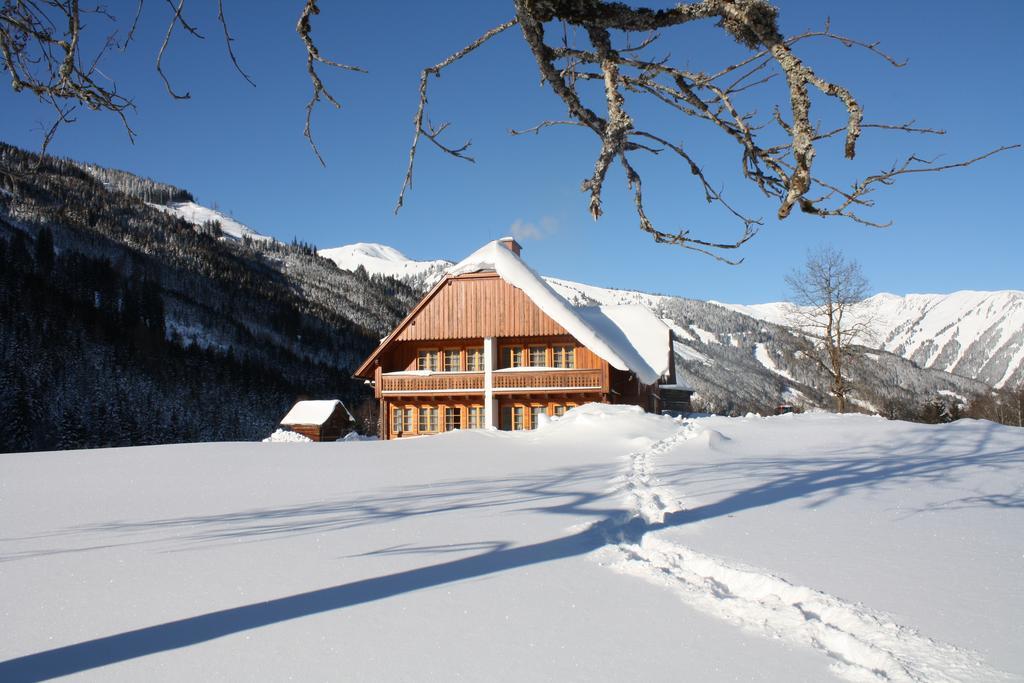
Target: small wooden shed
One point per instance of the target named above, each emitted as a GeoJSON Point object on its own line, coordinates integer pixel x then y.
{"type": "Point", "coordinates": [675, 399]}
{"type": "Point", "coordinates": [319, 420]}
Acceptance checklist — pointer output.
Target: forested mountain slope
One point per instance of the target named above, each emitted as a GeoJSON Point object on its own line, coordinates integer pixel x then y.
{"type": "Point", "coordinates": [122, 323]}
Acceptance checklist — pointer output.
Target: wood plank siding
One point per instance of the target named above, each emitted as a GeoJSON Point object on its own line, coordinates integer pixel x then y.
{"type": "Point", "coordinates": [478, 306]}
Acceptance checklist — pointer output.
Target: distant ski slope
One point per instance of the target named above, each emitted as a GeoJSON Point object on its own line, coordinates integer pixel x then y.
{"type": "Point", "coordinates": [199, 215]}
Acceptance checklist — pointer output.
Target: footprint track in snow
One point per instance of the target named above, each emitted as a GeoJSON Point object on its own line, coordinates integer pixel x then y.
{"type": "Point", "coordinates": [863, 645]}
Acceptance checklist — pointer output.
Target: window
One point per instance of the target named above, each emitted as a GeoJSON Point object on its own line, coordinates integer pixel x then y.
{"type": "Point", "coordinates": [452, 418]}
{"type": "Point", "coordinates": [535, 413]}
{"type": "Point", "coordinates": [558, 410]}
{"type": "Point", "coordinates": [565, 356]}
{"type": "Point", "coordinates": [514, 357]}
{"type": "Point", "coordinates": [401, 420]}
{"type": "Point", "coordinates": [428, 419]}
{"type": "Point", "coordinates": [538, 356]}
{"type": "Point", "coordinates": [476, 417]}
{"type": "Point", "coordinates": [475, 360]}
{"type": "Point", "coordinates": [452, 360]}
{"type": "Point", "coordinates": [512, 418]}
{"type": "Point", "coordinates": [427, 360]}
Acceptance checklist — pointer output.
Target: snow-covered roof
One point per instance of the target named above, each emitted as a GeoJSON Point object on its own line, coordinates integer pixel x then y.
{"type": "Point", "coordinates": [637, 335]}
{"type": "Point", "coordinates": [629, 337]}
{"type": "Point", "coordinates": [312, 412]}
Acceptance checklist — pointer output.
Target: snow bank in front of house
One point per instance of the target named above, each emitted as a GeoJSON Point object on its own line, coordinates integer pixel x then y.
{"type": "Point", "coordinates": [599, 333]}
{"type": "Point", "coordinates": [287, 436]}
{"type": "Point", "coordinates": [356, 436]}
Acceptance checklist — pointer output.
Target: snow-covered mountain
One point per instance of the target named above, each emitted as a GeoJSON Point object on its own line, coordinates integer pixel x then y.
{"type": "Point", "coordinates": [977, 335]}
{"type": "Point", "coordinates": [380, 259]}
{"type": "Point", "coordinates": [967, 333]}
{"type": "Point", "coordinates": [201, 215]}
{"type": "Point", "coordinates": [188, 333]}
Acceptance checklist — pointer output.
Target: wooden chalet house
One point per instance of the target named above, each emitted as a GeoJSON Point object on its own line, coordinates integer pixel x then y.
{"type": "Point", "coordinates": [492, 345]}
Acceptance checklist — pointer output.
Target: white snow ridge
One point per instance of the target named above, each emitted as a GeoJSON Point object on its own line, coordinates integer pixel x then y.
{"type": "Point", "coordinates": [380, 259]}
{"type": "Point", "coordinates": [865, 645]}
{"type": "Point", "coordinates": [199, 215]}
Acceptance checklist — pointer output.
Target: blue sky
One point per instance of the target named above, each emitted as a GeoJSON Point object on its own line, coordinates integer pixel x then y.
{"type": "Point", "coordinates": [241, 148]}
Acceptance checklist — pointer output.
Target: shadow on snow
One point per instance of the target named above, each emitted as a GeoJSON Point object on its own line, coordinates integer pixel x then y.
{"type": "Point", "coordinates": [819, 480]}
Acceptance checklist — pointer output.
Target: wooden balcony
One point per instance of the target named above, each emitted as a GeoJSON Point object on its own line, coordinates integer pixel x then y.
{"type": "Point", "coordinates": [438, 383]}
{"type": "Point", "coordinates": [505, 382]}
{"type": "Point", "coordinates": [547, 380]}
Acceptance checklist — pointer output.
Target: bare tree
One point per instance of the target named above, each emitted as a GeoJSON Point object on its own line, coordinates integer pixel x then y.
{"type": "Point", "coordinates": [826, 307]}
{"type": "Point", "coordinates": [609, 47]}
{"type": "Point", "coordinates": [1005, 406]}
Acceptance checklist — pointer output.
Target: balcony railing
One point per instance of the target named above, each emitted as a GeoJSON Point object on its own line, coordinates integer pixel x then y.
{"type": "Point", "coordinates": [547, 380]}
{"type": "Point", "coordinates": [504, 381]}
{"type": "Point", "coordinates": [436, 383]}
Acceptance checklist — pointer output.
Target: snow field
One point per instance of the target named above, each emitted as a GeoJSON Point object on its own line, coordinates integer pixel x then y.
{"type": "Point", "coordinates": [864, 645]}
{"type": "Point", "coordinates": [785, 548]}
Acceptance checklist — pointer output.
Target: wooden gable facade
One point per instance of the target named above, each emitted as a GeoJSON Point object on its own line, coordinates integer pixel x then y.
{"type": "Point", "coordinates": [477, 352]}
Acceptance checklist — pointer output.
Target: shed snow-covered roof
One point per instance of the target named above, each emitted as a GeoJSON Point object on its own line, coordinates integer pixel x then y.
{"type": "Point", "coordinates": [629, 337]}
{"type": "Point", "coordinates": [312, 412]}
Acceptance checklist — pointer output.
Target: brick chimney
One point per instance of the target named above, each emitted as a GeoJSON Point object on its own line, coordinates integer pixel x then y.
{"type": "Point", "coordinates": [511, 244]}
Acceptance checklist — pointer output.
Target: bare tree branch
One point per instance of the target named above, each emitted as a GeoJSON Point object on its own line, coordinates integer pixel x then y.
{"type": "Point", "coordinates": [40, 49]}
{"type": "Point", "coordinates": [433, 133]}
{"type": "Point", "coordinates": [541, 126]}
{"type": "Point", "coordinates": [304, 29]}
{"type": "Point", "coordinates": [163, 47]}
{"type": "Point", "coordinates": [131, 30]}
{"type": "Point", "coordinates": [228, 40]}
